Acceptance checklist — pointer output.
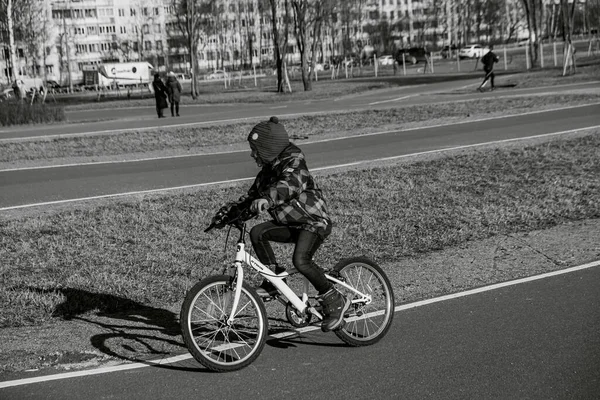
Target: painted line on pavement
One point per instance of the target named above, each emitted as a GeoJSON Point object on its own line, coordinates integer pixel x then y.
{"type": "Point", "coordinates": [392, 100]}
{"type": "Point", "coordinates": [477, 83]}
{"type": "Point", "coordinates": [307, 142]}
{"type": "Point", "coordinates": [345, 165]}
{"type": "Point", "coordinates": [294, 332]}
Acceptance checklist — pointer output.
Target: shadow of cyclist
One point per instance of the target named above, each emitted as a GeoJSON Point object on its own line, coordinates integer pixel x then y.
{"type": "Point", "coordinates": [130, 330]}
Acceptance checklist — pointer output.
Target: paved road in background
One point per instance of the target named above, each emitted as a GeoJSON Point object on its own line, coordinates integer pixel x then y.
{"type": "Point", "coordinates": [40, 185]}
{"type": "Point", "coordinates": [534, 340]}
{"type": "Point", "coordinates": [145, 117]}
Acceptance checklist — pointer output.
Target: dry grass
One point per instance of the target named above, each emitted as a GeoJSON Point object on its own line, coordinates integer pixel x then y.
{"type": "Point", "coordinates": [149, 251]}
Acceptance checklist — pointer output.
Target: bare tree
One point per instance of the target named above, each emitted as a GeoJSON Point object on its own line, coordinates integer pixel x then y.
{"type": "Point", "coordinates": [8, 18]}
{"type": "Point", "coordinates": [280, 31]}
{"type": "Point", "coordinates": [534, 13]}
{"type": "Point", "coordinates": [308, 21]}
{"type": "Point", "coordinates": [192, 19]}
{"type": "Point", "coordinates": [568, 12]}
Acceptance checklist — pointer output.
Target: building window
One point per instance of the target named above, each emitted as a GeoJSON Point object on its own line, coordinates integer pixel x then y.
{"type": "Point", "coordinates": [121, 12]}
{"type": "Point", "coordinates": [156, 10]}
{"type": "Point", "coordinates": [132, 12]}
{"type": "Point", "coordinates": [146, 29]}
{"type": "Point", "coordinates": [158, 45]}
{"type": "Point", "coordinates": [147, 45]}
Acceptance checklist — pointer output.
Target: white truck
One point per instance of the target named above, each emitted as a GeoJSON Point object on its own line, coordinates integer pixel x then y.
{"type": "Point", "coordinates": [118, 74]}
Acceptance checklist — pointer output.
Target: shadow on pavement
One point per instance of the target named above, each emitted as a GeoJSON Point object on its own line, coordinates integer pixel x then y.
{"type": "Point", "coordinates": [127, 330]}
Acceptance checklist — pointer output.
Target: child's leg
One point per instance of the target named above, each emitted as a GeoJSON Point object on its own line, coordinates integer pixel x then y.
{"type": "Point", "coordinates": [262, 234]}
{"type": "Point", "coordinates": [307, 244]}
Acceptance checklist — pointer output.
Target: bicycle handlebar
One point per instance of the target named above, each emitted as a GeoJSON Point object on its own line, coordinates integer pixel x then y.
{"type": "Point", "coordinates": [223, 218]}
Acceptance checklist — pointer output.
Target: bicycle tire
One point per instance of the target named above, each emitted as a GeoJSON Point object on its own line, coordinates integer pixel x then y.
{"type": "Point", "coordinates": [366, 324]}
{"type": "Point", "coordinates": [203, 321]}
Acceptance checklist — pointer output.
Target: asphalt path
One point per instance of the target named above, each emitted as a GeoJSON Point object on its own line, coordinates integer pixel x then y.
{"type": "Point", "coordinates": [20, 188]}
{"type": "Point", "coordinates": [533, 340]}
{"type": "Point", "coordinates": [96, 121]}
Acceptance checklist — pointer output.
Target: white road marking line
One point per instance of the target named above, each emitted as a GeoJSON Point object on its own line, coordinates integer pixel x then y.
{"type": "Point", "coordinates": [106, 196]}
{"type": "Point", "coordinates": [307, 142]}
{"type": "Point", "coordinates": [140, 192]}
{"type": "Point", "coordinates": [477, 83]}
{"type": "Point", "coordinates": [294, 332]}
{"type": "Point", "coordinates": [391, 100]}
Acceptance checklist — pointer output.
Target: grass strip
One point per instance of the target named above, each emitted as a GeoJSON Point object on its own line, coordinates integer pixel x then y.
{"type": "Point", "coordinates": [149, 251]}
{"type": "Point", "coordinates": [204, 139]}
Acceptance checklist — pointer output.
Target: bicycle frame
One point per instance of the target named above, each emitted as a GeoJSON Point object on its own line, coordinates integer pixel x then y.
{"type": "Point", "coordinates": [300, 304]}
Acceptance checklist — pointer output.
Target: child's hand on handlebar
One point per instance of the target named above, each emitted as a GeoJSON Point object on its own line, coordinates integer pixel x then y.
{"type": "Point", "coordinates": [259, 205]}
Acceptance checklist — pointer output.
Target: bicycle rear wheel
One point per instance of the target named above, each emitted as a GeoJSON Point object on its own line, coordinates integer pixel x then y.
{"type": "Point", "coordinates": [366, 322]}
{"type": "Point", "coordinates": [211, 341]}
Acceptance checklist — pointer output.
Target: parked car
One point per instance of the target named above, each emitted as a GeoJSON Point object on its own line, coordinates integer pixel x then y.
{"type": "Point", "coordinates": [523, 42]}
{"type": "Point", "coordinates": [318, 67]}
{"type": "Point", "coordinates": [386, 60]}
{"type": "Point", "coordinates": [51, 84]}
{"type": "Point", "coordinates": [183, 77]}
{"type": "Point", "coordinates": [447, 51]}
{"type": "Point", "coordinates": [413, 55]}
{"type": "Point", "coordinates": [472, 51]}
{"type": "Point", "coordinates": [6, 94]}
{"type": "Point", "coordinates": [219, 74]}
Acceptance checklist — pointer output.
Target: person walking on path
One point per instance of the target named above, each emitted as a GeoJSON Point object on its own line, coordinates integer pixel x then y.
{"type": "Point", "coordinates": [174, 90]}
{"type": "Point", "coordinates": [160, 95]}
{"type": "Point", "coordinates": [488, 61]}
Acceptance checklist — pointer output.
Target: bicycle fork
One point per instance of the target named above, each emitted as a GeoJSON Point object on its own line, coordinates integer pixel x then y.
{"type": "Point", "coordinates": [238, 279]}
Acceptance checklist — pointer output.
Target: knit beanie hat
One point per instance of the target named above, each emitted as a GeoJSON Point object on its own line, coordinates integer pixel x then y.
{"type": "Point", "coordinates": [269, 138]}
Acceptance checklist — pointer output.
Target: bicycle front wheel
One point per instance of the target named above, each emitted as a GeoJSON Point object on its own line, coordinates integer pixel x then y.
{"type": "Point", "coordinates": [212, 341]}
{"type": "Point", "coordinates": [366, 321]}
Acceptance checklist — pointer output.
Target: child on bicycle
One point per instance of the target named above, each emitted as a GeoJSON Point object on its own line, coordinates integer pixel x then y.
{"type": "Point", "coordinates": [285, 188]}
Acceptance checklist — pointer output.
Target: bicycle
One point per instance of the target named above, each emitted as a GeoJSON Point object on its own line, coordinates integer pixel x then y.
{"type": "Point", "coordinates": [224, 321]}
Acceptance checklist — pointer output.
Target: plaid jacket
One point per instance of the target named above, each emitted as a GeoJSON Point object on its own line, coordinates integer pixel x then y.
{"type": "Point", "coordinates": [293, 196]}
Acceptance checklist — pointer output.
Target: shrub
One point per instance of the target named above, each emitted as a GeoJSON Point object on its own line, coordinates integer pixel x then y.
{"type": "Point", "coordinates": [16, 113]}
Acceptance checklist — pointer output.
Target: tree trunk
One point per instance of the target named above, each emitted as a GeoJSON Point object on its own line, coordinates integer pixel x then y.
{"type": "Point", "coordinates": [277, 55]}
{"type": "Point", "coordinates": [11, 42]}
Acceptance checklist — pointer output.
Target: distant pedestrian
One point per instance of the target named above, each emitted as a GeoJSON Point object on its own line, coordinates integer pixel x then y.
{"type": "Point", "coordinates": [174, 90]}
{"type": "Point", "coordinates": [19, 90]}
{"type": "Point", "coordinates": [488, 61]}
{"type": "Point", "coordinates": [160, 95]}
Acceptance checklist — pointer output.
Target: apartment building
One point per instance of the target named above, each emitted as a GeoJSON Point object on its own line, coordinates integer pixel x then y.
{"type": "Point", "coordinates": [79, 34]}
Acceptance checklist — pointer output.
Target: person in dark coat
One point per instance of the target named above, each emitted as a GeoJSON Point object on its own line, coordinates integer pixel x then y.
{"type": "Point", "coordinates": [488, 61]}
{"type": "Point", "coordinates": [160, 95]}
{"type": "Point", "coordinates": [285, 188]}
{"type": "Point", "coordinates": [174, 90]}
